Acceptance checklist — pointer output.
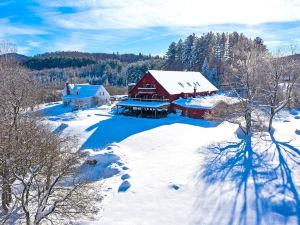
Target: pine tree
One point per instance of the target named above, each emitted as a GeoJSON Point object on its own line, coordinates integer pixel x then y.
{"type": "Point", "coordinates": [179, 53]}
{"type": "Point", "coordinates": [171, 57]}
{"type": "Point", "coordinates": [187, 51]}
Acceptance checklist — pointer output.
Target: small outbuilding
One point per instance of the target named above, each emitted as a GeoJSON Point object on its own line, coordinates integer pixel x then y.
{"type": "Point", "coordinates": [84, 95]}
{"type": "Point", "coordinates": [202, 107]}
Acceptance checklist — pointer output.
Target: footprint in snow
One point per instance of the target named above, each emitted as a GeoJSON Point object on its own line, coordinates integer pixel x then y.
{"type": "Point", "coordinates": [125, 176]}
{"type": "Point", "coordinates": [124, 186]}
{"type": "Point", "coordinates": [297, 132]}
{"type": "Point", "coordinates": [125, 168]}
{"type": "Point", "coordinates": [174, 186]}
{"type": "Point", "coordinates": [120, 163]}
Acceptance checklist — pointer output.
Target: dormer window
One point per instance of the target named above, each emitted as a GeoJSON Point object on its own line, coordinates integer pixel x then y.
{"type": "Point", "coordinates": [188, 84]}
{"type": "Point", "coordinates": [180, 84]}
{"type": "Point", "coordinates": [198, 83]}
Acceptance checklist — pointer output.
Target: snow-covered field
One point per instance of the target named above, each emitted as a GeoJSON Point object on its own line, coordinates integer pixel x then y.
{"type": "Point", "coordinates": [181, 171]}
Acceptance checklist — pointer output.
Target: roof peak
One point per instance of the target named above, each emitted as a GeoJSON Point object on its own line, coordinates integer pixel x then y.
{"type": "Point", "coordinates": [175, 71]}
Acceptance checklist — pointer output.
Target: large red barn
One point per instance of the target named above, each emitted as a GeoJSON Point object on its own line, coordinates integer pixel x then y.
{"type": "Point", "coordinates": [161, 88]}
{"type": "Point", "coordinates": [171, 85]}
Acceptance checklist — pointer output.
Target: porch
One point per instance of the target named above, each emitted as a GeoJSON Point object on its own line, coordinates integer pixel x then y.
{"type": "Point", "coordinates": [143, 108]}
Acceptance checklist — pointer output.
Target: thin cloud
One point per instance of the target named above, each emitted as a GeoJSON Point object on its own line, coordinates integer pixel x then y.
{"type": "Point", "coordinates": [7, 29]}
{"type": "Point", "coordinates": [136, 14]}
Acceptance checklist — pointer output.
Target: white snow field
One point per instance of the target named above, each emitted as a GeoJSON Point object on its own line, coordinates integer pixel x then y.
{"type": "Point", "coordinates": [181, 171]}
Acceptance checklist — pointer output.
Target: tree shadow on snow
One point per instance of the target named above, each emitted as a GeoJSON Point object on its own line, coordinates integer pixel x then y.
{"type": "Point", "coordinates": [263, 185]}
{"type": "Point", "coordinates": [288, 201]}
{"type": "Point", "coordinates": [118, 128]}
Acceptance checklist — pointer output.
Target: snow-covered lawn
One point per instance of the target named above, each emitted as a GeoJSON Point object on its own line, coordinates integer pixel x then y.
{"type": "Point", "coordinates": [178, 170]}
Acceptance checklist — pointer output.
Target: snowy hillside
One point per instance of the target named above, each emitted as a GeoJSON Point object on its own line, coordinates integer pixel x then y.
{"type": "Point", "coordinates": [178, 170]}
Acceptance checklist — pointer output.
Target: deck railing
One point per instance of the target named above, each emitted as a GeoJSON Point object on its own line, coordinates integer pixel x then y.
{"type": "Point", "coordinates": [150, 99]}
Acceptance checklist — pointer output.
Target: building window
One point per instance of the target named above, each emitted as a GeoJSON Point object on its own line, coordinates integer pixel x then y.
{"type": "Point", "coordinates": [189, 84]}
{"type": "Point", "coordinates": [198, 83]}
{"type": "Point", "coordinates": [180, 84]}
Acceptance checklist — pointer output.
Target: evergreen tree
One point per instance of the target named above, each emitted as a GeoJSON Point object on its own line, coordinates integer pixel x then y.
{"type": "Point", "coordinates": [170, 63]}
{"type": "Point", "coordinates": [179, 53]}
{"type": "Point", "coordinates": [187, 51]}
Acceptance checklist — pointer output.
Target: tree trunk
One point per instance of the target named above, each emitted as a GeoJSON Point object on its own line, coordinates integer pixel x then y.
{"type": "Point", "coordinates": [27, 218]}
{"type": "Point", "coordinates": [270, 123]}
{"type": "Point", "coordinates": [248, 121]}
{"type": "Point", "coordinates": [271, 119]}
{"type": "Point", "coordinates": [6, 197]}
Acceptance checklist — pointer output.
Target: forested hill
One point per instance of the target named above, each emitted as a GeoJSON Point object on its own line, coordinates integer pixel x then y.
{"type": "Point", "coordinates": [95, 68]}
{"type": "Point", "coordinates": [207, 53]}
{"type": "Point", "coordinates": [78, 59]}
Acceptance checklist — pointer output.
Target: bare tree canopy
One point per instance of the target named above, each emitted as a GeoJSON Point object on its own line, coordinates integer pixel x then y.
{"type": "Point", "coordinates": [39, 170]}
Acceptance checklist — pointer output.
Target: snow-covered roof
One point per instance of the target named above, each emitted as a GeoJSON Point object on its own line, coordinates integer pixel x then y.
{"type": "Point", "coordinates": [82, 90]}
{"type": "Point", "coordinates": [145, 104]}
{"type": "Point", "coordinates": [206, 102]}
{"type": "Point", "coordinates": [176, 82]}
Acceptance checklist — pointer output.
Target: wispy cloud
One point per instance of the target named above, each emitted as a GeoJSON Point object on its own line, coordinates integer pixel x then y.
{"type": "Point", "coordinates": [124, 14]}
{"type": "Point", "coordinates": [7, 28]}
{"type": "Point", "coordinates": [146, 26]}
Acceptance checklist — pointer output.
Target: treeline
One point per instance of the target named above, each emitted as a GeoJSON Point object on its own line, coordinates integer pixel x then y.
{"type": "Point", "coordinates": [108, 72]}
{"type": "Point", "coordinates": [96, 68]}
{"type": "Point", "coordinates": [208, 53]}
{"type": "Point", "coordinates": [37, 63]}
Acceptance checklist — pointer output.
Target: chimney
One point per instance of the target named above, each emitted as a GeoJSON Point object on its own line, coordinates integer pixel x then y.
{"type": "Point", "coordinates": [67, 89]}
{"type": "Point", "coordinates": [195, 89]}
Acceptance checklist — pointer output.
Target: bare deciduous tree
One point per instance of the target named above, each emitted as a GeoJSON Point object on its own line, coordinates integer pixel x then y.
{"type": "Point", "coordinates": [17, 91]}
{"type": "Point", "coordinates": [39, 170]}
{"type": "Point", "coordinates": [280, 76]}
{"type": "Point", "coordinates": [49, 184]}
{"type": "Point", "coordinates": [245, 78]}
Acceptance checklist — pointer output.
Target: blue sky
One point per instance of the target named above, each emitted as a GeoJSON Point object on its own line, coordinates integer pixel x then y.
{"type": "Point", "coordinates": [133, 26]}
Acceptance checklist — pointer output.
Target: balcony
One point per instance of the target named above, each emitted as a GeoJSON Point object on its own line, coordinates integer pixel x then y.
{"type": "Point", "coordinates": [150, 99]}
{"type": "Point", "coordinates": [147, 89]}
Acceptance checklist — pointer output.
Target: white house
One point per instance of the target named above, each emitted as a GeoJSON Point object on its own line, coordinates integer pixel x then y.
{"type": "Point", "coordinates": [80, 95]}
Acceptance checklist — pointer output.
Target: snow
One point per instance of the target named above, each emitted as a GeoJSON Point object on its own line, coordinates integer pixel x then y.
{"type": "Point", "coordinates": [206, 102]}
{"type": "Point", "coordinates": [142, 104]}
{"type": "Point", "coordinates": [176, 82]}
{"type": "Point", "coordinates": [183, 171]}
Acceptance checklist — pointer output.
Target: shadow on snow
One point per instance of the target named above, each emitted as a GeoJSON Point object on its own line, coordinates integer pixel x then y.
{"type": "Point", "coordinates": [118, 128]}
{"type": "Point", "coordinates": [262, 180]}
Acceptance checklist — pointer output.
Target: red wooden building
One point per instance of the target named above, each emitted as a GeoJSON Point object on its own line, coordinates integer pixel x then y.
{"type": "Point", "coordinates": [171, 85]}
{"type": "Point", "coordinates": [168, 86]}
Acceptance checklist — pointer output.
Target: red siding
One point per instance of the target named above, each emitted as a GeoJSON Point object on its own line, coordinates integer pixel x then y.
{"type": "Point", "coordinates": [149, 79]}
{"type": "Point", "coordinates": [192, 112]}
{"type": "Point", "coordinates": [161, 92]}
